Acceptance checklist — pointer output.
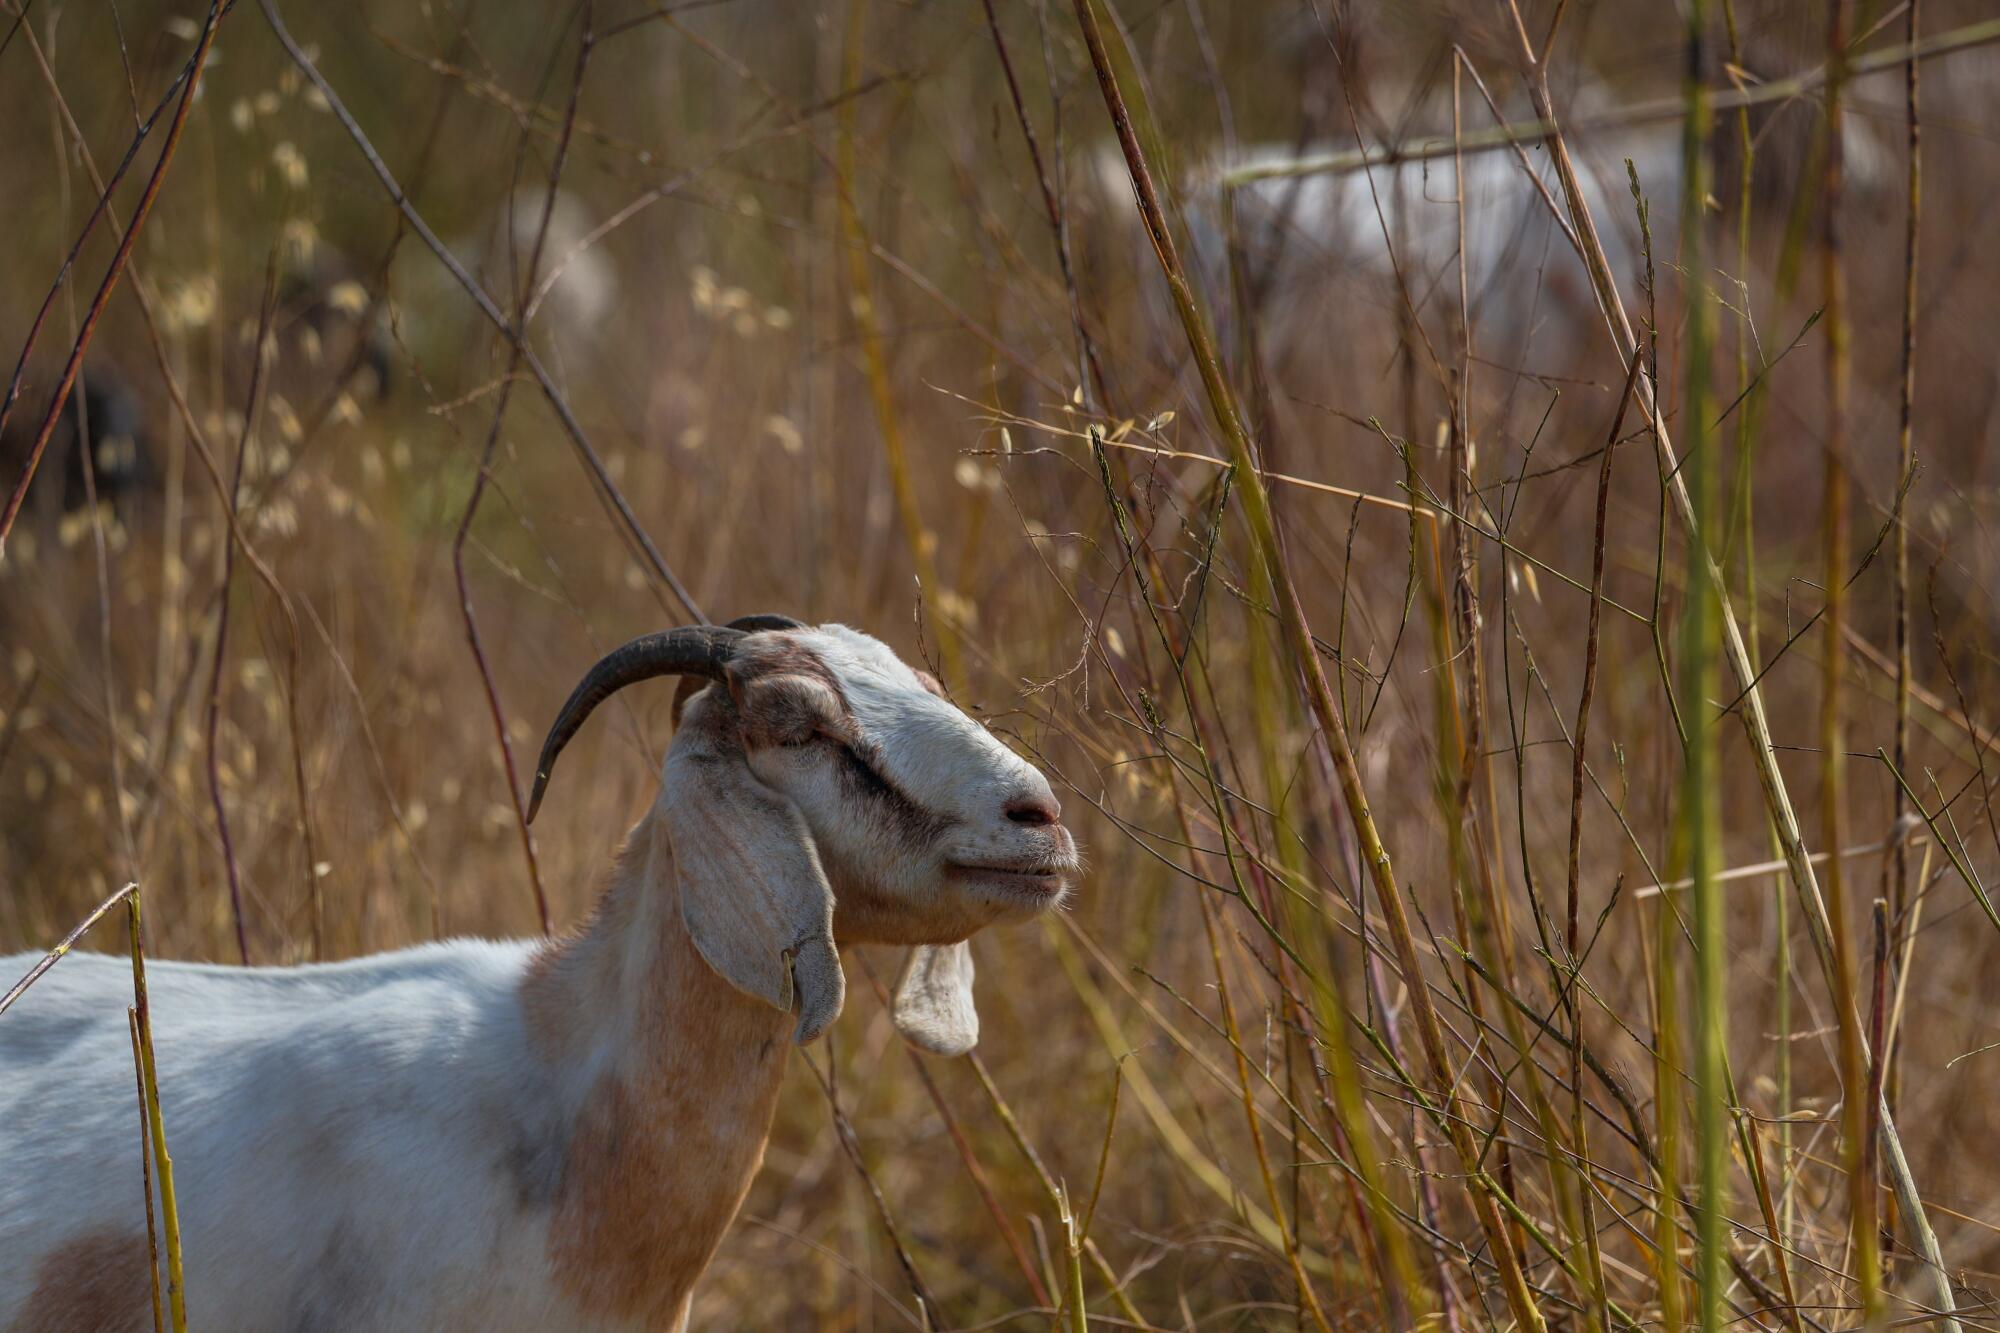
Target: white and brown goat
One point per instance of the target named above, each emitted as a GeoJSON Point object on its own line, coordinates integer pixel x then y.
{"type": "Point", "coordinates": [534, 1135]}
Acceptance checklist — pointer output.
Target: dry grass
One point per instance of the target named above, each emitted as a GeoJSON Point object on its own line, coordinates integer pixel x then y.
{"type": "Point", "coordinates": [1294, 572]}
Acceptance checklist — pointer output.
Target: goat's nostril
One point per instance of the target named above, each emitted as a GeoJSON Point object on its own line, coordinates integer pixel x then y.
{"type": "Point", "coordinates": [1034, 811]}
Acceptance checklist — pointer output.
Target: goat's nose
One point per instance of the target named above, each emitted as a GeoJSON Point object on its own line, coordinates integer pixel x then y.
{"type": "Point", "coordinates": [1034, 809]}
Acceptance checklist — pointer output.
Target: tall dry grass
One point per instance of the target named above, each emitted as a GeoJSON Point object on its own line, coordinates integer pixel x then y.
{"type": "Point", "coordinates": [1526, 702]}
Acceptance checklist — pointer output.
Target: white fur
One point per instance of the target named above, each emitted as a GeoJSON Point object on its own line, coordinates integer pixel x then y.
{"type": "Point", "coordinates": [303, 1105]}
{"type": "Point", "coordinates": [577, 285]}
{"type": "Point", "coordinates": [933, 749]}
{"type": "Point", "coordinates": [367, 1145]}
{"type": "Point", "coordinates": [1528, 288]}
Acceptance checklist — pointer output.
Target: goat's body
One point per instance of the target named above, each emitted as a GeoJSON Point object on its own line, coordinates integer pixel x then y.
{"type": "Point", "coordinates": [421, 1140]}
{"type": "Point", "coordinates": [292, 1219]}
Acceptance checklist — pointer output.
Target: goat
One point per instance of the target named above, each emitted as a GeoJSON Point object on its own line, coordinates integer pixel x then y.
{"type": "Point", "coordinates": [572, 301]}
{"type": "Point", "coordinates": [1329, 240]}
{"type": "Point", "coordinates": [328, 317]}
{"type": "Point", "coordinates": [536, 1135]}
{"type": "Point", "coordinates": [105, 415]}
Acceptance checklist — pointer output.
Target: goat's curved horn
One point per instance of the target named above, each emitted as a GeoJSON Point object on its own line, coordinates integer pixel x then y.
{"type": "Point", "coordinates": [765, 620]}
{"type": "Point", "coordinates": [697, 650]}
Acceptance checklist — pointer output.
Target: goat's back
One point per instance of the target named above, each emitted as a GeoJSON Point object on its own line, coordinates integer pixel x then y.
{"type": "Point", "coordinates": [313, 1114]}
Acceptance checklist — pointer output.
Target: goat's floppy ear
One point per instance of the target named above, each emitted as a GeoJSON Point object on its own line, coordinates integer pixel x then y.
{"type": "Point", "coordinates": [933, 1007]}
{"type": "Point", "coordinates": [753, 895]}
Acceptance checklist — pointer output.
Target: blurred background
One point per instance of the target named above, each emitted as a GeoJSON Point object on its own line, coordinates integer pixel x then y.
{"type": "Point", "coordinates": [844, 310]}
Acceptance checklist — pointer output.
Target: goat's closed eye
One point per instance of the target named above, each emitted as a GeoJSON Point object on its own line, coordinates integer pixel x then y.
{"type": "Point", "coordinates": [859, 767]}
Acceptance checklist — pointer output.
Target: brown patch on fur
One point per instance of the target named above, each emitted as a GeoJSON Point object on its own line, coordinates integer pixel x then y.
{"type": "Point", "coordinates": [784, 657]}
{"type": "Point", "coordinates": [760, 699]}
{"type": "Point", "coordinates": [649, 1188]}
{"type": "Point", "coordinates": [664, 1147]}
{"type": "Point", "coordinates": [790, 710]}
{"type": "Point", "coordinates": [95, 1282]}
{"type": "Point", "coordinates": [548, 1020]}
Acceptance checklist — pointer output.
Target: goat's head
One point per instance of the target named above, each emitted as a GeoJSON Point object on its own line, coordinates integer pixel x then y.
{"type": "Point", "coordinates": [821, 788]}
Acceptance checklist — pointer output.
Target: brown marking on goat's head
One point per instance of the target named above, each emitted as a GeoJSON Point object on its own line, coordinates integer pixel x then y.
{"type": "Point", "coordinates": [95, 1282]}
{"type": "Point", "coordinates": [761, 660]}
{"type": "Point", "coordinates": [785, 691]}
{"type": "Point", "coordinates": [790, 709]}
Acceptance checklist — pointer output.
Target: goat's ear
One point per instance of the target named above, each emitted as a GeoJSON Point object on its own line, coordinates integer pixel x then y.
{"type": "Point", "coordinates": [753, 895]}
{"type": "Point", "coordinates": [933, 1007]}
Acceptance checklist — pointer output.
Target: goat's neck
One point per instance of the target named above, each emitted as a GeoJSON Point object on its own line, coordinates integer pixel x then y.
{"type": "Point", "coordinates": [673, 1079]}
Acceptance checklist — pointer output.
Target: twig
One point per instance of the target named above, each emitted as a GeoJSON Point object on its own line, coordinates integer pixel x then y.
{"type": "Point", "coordinates": [146, 1171]}
{"type": "Point", "coordinates": [608, 491]}
{"type": "Point", "coordinates": [116, 269]}
{"type": "Point", "coordinates": [149, 1091]}
{"type": "Point", "coordinates": [1863, 1234]}
{"type": "Point", "coordinates": [1700, 812]}
{"type": "Point", "coordinates": [919, 539]}
{"type": "Point", "coordinates": [1079, 1319]}
{"type": "Point", "coordinates": [927, 1306]}
{"type": "Point", "coordinates": [101, 210]}
{"type": "Point", "coordinates": [163, 1162]}
{"type": "Point", "coordinates": [68, 942]}
{"type": "Point", "coordinates": [258, 361]}
{"type": "Point", "coordinates": [1578, 1127]}
{"type": "Point", "coordinates": [1090, 372]}
{"type": "Point", "coordinates": [585, 44]}
{"type": "Point", "coordinates": [1760, 868]}
{"type": "Point", "coordinates": [1008, 1233]}
{"type": "Point", "coordinates": [1906, 462]}
{"type": "Point", "coordinates": [198, 438]}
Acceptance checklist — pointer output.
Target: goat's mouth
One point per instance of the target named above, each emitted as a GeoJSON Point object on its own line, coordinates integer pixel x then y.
{"type": "Point", "coordinates": [1039, 882]}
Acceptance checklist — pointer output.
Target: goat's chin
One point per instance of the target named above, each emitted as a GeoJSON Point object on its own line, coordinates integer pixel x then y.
{"type": "Point", "coordinates": [1012, 896]}
{"type": "Point", "coordinates": [959, 906]}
